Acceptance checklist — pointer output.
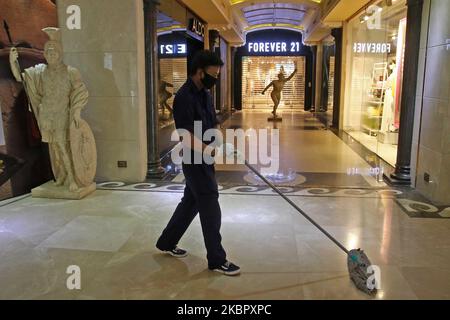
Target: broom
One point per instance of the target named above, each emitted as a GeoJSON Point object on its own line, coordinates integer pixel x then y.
{"type": "Point", "coordinates": [357, 261]}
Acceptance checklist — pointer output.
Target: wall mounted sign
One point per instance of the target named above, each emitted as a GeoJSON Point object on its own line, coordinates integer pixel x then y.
{"type": "Point", "coordinates": [274, 43]}
{"type": "Point", "coordinates": [197, 27]}
{"type": "Point", "coordinates": [274, 47]}
{"type": "Point", "coordinates": [172, 49]}
{"type": "Point", "coordinates": [172, 45]}
{"type": "Point", "coordinates": [371, 47]}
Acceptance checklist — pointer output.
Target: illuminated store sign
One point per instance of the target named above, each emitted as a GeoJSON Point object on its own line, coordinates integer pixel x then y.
{"type": "Point", "coordinates": [172, 49]}
{"type": "Point", "coordinates": [197, 27]}
{"type": "Point", "coordinates": [274, 43]}
{"type": "Point", "coordinates": [172, 45]}
{"type": "Point", "coordinates": [274, 47]}
{"type": "Point", "coordinates": [362, 47]}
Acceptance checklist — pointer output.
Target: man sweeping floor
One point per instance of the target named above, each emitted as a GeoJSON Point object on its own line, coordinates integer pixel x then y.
{"type": "Point", "coordinates": [193, 102]}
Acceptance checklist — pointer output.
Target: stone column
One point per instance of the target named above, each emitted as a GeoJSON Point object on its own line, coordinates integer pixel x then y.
{"type": "Point", "coordinates": [312, 83]}
{"type": "Point", "coordinates": [213, 39]}
{"type": "Point", "coordinates": [337, 34]}
{"type": "Point", "coordinates": [318, 80]}
{"type": "Point", "coordinates": [402, 173]}
{"type": "Point", "coordinates": [151, 89]}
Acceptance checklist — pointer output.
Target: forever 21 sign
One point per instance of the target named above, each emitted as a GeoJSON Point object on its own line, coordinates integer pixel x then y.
{"type": "Point", "coordinates": [270, 42]}
{"type": "Point", "coordinates": [274, 47]}
{"type": "Point", "coordinates": [197, 27]}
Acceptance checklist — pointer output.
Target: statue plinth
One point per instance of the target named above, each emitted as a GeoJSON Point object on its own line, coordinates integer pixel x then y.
{"type": "Point", "coordinates": [275, 119]}
{"type": "Point", "coordinates": [51, 191]}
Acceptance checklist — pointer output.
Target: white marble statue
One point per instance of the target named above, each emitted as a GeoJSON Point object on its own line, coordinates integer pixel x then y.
{"type": "Point", "coordinates": [57, 96]}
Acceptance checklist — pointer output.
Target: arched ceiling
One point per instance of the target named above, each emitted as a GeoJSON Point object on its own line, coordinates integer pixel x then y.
{"type": "Point", "coordinates": [263, 14]}
{"type": "Point", "coordinates": [235, 18]}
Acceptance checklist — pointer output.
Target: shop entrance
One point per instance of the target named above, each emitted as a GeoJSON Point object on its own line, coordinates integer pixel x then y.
{"type": "Point", "coordinates": [258, 72]}
{"type": "Point", "coordinates": [172, 75]}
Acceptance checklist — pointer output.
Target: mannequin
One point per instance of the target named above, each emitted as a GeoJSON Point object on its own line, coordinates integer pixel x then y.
{"type": "Point", "coordinates": [387, 121]}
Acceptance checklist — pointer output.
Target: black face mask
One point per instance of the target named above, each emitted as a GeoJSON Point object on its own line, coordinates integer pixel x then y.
{"type": "Point", "coordinates": [209, 81]}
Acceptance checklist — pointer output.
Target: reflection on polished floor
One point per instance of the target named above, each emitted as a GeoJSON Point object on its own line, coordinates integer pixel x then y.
{"type": "Point", "coordinates": [386, 151]}
{"type": "Point", "coordinates": [111, 234]}
{"type": "Point", "coordinates": [305, 147]}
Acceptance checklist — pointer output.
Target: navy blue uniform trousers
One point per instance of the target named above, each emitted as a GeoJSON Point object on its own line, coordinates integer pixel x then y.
{"type": "Point", "coordinates": [200, 196]}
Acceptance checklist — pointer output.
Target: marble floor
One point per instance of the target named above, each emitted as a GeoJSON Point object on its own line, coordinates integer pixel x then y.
{"type": "Point", "coordinates": [305, 146]}
{"type": "Point", "coordinates": [305, 143]}
{"type": "Point", "coordinates": [110, 235]}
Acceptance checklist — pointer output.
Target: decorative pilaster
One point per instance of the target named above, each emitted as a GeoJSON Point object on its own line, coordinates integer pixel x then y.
{"type": "Point", "coordinates": [402, 173]}
{"type": "Point", "coordinates": [151, 89]}
{"type": "Point", "coordinates": [319, 69]}
{"type": "Point", "coordinates": [337, 34]}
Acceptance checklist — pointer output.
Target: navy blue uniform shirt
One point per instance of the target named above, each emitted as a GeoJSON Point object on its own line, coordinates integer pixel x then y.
{"type": "Point", "coordinates": [193, 104]}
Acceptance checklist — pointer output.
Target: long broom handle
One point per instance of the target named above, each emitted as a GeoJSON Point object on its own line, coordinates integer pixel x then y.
{"type": "Point", "coordinates": [297, 208]}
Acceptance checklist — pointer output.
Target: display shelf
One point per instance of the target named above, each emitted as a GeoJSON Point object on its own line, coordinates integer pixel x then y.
{"type": "Point", "coordinates": [372, 132]}
{"type": "Point", "coordinates": [375, 99]}
{"type": "Point", "coordinates": [376, 102]}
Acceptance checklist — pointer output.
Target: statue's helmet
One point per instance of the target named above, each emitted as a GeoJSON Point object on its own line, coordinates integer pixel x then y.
{"type": "Point", "coordinates": [53, 49]}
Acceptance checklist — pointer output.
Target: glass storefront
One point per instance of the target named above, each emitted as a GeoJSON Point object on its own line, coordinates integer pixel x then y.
{"type": "Point", "coordinates": [172, 66]}
{"type": "Point", "coordinates": [180, 35]}
{"type": "Point", "coordinates": [222, 99]}
{"type": "Point", "coordinates": [329, 69]}
{"type": "Point", "coordinates": [258, 72]}
{"type": "Point", "coordinates": [374, 71]}
{"type": "Point", "coordinates": [268, 56]}
{"type": "Point", "coordinates": [219, 92]}
{"type": "Point", "coordinates": [326, 107]}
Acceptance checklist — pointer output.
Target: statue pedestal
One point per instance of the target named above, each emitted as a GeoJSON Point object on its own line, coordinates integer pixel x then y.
{"type": "Point", "coordinates": [49, 190]}
{"type": "Point", "coordinates": [275, 119]}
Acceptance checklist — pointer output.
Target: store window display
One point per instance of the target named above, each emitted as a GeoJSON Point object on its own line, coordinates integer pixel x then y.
{"type": "Point", "coordinates": [387, 122]}
{"type": "Point", "coordinates": [172, 66]}
{"type": "Point", "coordinates": [257, 63]}
{"type": "Point", "coordinates": [180, 34]}
{"type": "Point", "coordinates": [375, 54]}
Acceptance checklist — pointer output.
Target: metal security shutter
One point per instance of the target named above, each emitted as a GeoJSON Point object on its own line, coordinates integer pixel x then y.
{"type": "Point", "coordinates": [173, 71]}
{"type": "Point", "coordinates": [258, 72]}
